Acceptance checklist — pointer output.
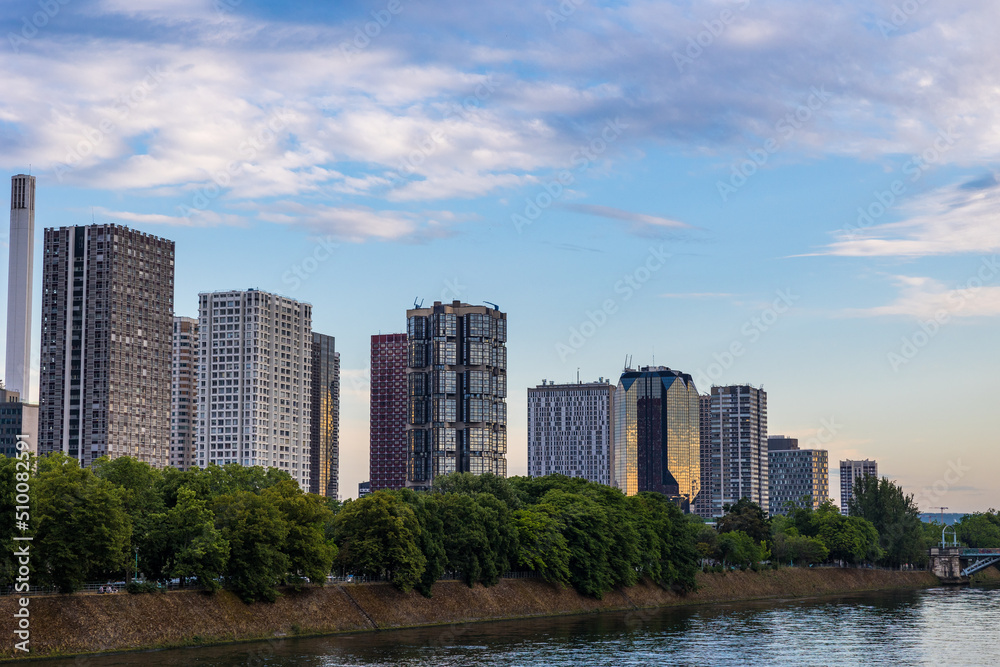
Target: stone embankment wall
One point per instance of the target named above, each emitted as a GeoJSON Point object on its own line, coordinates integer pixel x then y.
{"type": "Point", "coordinates": [65, 625]}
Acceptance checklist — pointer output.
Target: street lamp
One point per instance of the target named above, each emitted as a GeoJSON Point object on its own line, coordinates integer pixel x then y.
{"type": "Point", "coordinates": [137, 563]}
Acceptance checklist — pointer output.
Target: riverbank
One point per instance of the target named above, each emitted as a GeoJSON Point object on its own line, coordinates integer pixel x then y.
{"type": "Point", "coordinates": [66, 625]}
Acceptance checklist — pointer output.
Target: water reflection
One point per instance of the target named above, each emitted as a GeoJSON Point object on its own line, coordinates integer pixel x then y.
{"type": "Point", "coordinates": [937, 626]}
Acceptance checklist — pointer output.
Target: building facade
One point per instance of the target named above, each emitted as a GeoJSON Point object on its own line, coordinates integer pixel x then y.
{"type": "Point", "coordinates": [184, 395]}
{"type": "Point", "coordinates": [106, 344]}
{"type": "Point", "coordinates": [457, 389]}
{"type": "Point", "coordinates": [569, 430]}
{"type": "Point", "coordinates": [850, 473]}
{"type": "Point", "coordinates": [388, 401]}
{"type": "Point", "coordinates": [324, 448]}
{"type": "Point", "coordinates": [710, 474]}
{"type": "Point", "coordinates": [20, 277]}
{"type": "Point", "coordinates": [656, 444]}
{"type": "Point", "coordinates": [798, 476]}
{"type": "Point", "coordinates": [255, 381]}
{"type": "Point", "coordinates": [738, 447]}
{"type": "Point", "coordinates": [18, 424]}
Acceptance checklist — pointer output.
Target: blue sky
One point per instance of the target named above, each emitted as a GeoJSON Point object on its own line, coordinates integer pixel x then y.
{"type": "Point", "coordinates": [799, 195]}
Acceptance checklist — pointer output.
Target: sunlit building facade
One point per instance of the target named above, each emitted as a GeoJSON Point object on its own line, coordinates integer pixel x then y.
{"type": "Point", "coordinates": [324, 446]}
{"type": "Point", "coordinates": [656, 444]}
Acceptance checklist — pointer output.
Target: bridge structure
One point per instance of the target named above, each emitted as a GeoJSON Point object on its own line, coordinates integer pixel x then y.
{"type": "Point", "coordinates": [955, 564]}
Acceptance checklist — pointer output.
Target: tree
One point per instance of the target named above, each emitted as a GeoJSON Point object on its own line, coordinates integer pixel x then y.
{"type": "Point", "coordinates": [82, 529]}
{"type": "Point", "coordinates": [895, 517]}
{"type": "Point", "coordinates": [542, 547]}
{"type": "Point", "coordinates": [745, 516]}
{"type": "Point", "coordinates": [667, 553]}
{"type": "Point", "coordinates": [255, 529]}
{"type": "Point", "coordinates": [468, 484]}
{"type": "Point", "coordinates": [737, 548]}
{"type": "Point", "coordinates": [310, 553]}
{"type": "Point", "coordinates": [467, 538]}
{"type": "Point", "coordinates": [430, 538]}
{"type": "Point", "coordinates": [589, 540]}
{"type": "Point", "coordinates": [377, 536]}
{"type": "Point", "coordinates": [138, 484]}
{"type": "Point", "coordinates": [197, 549]}
{"type": "Point", "coordinates": [980, 530]}
{"type": "Point", "coordinates": [799, 549]}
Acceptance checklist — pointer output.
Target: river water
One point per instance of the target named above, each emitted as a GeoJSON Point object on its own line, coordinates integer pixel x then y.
{"type": "Point", "coordinates": [943, 626]}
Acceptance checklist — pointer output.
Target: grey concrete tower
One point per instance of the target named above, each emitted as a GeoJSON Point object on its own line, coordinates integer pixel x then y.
{"type": "Point", "coordinates": [19, 278]}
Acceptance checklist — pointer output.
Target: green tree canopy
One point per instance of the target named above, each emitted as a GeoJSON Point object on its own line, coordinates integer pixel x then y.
{"type": "Point", "coordinates": [895, 517]}
{"type": "Point", "coordinates": [747, 517]}
{"type": "Point", "coordinates": [980, 530]}
{"type": "Point", "coordinates": [377, 536]}
{"type": "Point", "coordinates": [82, 529]}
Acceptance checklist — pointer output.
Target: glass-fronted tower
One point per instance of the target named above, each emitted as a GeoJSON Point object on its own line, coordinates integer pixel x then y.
{"type": "Point", "coordinates": [324, 446]}
{"type": "Point", "coordinates": [457, 388]}
{"type": "Point", "coordinates": [657, 439]}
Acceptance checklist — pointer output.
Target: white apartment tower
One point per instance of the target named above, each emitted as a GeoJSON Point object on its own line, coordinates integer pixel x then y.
{"type": "Point", "coordinates": [183, 393]}
{"type": "Point", "coordinates": [19, 277]}
{"type": "Point", "coordinates": [738, 432]}
{"type": "Point", "coordinates": [254, 381]}
{"type": "Point", "coordinates": [850, 473]}
{"type": "Point", "coordinates": [569, 430]}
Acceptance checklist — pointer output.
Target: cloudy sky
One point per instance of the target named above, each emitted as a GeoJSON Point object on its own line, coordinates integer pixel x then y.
{"type": "Point", "coordinates": [799, 195]}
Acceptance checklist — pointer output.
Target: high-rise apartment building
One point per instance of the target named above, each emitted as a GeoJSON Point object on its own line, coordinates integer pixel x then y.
{"type": "Point", "coordinates": [710, 474]}
{"type": "Point", "coordinates": [106, 344]}
{"type": "Point", "coordinates": [255, 381]}
{"type": "Point", "coordinates": [387, 437]}
{"type": "Point", "coordinates": [850, 473]}
{"type": "Point", "coordinates": [656, 442]}
{"type": "Point", "coordinates": [738, 447]}
{"type": "Point", "coordinates": [569, 430]}
{"type": "Point", "coordinates": [457, 388]}
{"type": "Point", "coordinates": [184, 394]}
{"type": "Point", "coordinates": [799, 476]}
{"type": "Point", "coordinates": [18, 423]}
{"type": "Point", "coordinates": [324, 448]}
{"type": "Point", "coordinates": [20, 274]}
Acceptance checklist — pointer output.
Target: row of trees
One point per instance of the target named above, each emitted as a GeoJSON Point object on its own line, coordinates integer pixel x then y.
{"type": "Point", "coordinates": [570, 531]}
{"type": "Point", "coordinates": [251, 530]}
{"type": "Point", "coordinates": [243, 528]}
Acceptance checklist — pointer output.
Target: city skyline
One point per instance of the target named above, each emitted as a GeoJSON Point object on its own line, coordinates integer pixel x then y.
{"type": "Point", "coordinates": [753, 205]}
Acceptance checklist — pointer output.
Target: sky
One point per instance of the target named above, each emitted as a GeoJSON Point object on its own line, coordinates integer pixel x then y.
{"type": "Point", "coordinates": [794, 194]}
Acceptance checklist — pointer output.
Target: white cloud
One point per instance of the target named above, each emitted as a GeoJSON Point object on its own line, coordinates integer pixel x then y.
{"type": "Point", "coordinates": [926, 298]}
{"type": "Point", "coordinates": [951, 220]}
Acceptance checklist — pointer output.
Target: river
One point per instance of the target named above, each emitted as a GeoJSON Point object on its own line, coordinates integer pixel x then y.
{"type": "Point", "coordinates": [941, 626]}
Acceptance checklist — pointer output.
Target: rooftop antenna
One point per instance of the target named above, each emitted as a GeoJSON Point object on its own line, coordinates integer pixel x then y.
{"type": "Point", "coordinates": [578, 375]}
{"type": "Point", "coordinates": [416, 305]}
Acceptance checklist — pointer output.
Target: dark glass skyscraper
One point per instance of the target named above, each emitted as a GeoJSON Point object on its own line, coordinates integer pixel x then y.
{"type": "Point", "coordinates": [657, 437]}
{"type": "Point", "coordinates": [324, 435]}
{"type": "Point", "coordinates": [457, 387]}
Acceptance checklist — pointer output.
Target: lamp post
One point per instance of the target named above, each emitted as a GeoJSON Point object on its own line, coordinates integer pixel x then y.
{"type": "Point", "coordinates": [137, 563]}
